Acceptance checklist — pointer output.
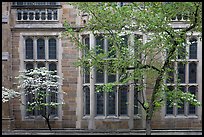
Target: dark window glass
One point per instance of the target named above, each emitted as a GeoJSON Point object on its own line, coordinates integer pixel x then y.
{"type": "Point", "coordinates": [43, 14]}
{"type": "Point", "coordinates": [136, 100]}
{"type": "Point", "coordinates": [52, 66]}
{"type": "Point", "coordinates": [192, 72]}
{"type": "Point", "coordinates": [86, 42]}
{"type": "Point", "coordinates": [111, 77]}
{"type": "Point", "coordinates": [192, 108]}
{"type": "Point", "coordinates": [86, 100]}
{"type": "Point", "coordinates": [55, 14]}
{"type": "Point", "coordinates": [40, 49]}
{"type": "Point", "coordinates": [41, 64]}
{"type": "Point", "coordinates": [111, 102]}
{"type": "Point", "coordinates": [181, 72]}
{"type": "Point", "coordinates": [37, 15]}
{"type": "Point", "coordinates": [25, 15]}
{"type": "Point", "coordinates": [169, 109]}
{"type": "Point", "coordinates": [31, 15]}
{"type": "Point", "coordinates": [123, 95]}
{"type": "Point", "coordinates": [99, 76]}
{"type": "Point", "coordinates": [99, 44]}
{"type": "Point", "coordinates": [193, 49]}
{"type": "Point", "coordinates": [181, 108]}
{"type": "Point", "coordinates": [49, 14]}
{"type": "Point", "coordinates": [100, 103]}
{"type": "Point", "coordinates": [52, 49]}
{"type": "Point", "coordinates": [19, 15]}
{"type": "Point", "coordinates": [86, 75]}
{"type": "Point", "coordinates": [29, 66]}
{"type": "Point", "coordinates": [29, 48]}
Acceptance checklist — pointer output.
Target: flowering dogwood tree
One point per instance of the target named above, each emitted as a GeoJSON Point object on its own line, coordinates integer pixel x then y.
{"type": "Point", "coordinates": [41, 86]}
{"type": "Point", "coordinates": [7, 94]}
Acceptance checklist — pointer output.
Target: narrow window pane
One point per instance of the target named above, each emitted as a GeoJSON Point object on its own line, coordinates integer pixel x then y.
{"type": "Point", "coordinates": [123, 94]}
{"type": "Point", "coordinates": [86, 100]}
{"type": "Point", "coordinates": [181, 72]}
{"type": "Point", "coordinates": [181, 108]}
{"type": "Point", "coordinates": [29, 66]}
{"type": "Point", "coordinates": [136, 100]}
{"type": "Point", "coordinates": [41, 64]}
{"type": "Point", "coordinates": [55, 14]}
{"type": "Point", "coordinates": [99, 76]}
{"type": "Point", "coordinates": [86, 42]}
{"type": "Point", "coordinates": [111, 78]}
{"type": "Point", "coordinates": [25, 15]}
{"type": "Point", "coordinates": [40, 49]}
{"type": "Point", "coordinates": [37, 15]}
{"type": "Point", "coordinates": [49, 14]}
{"type": "Point", "coordinates": [29, 48]}
{"type": "Point", "coordinates": [86, 75]}
{"type": "Point", "coordinates": [193, 49]}
{"type": "Point", "coordinates": [192, 72]}
{"type": "Point", "coordinates": [43, 14]}
{"type": "Point", "coordinates": [192, 108]}
{"type": "Point", "coordinates": [19, 15]}
{"type": "Point", "coordinates": [169, 109]}
{"type": "Point", "coordinates": [99, 44]}
{"type": "Point", "coordinates": [111, 102]}
{"type": "Point", "coordinates": [31, 15]}
{"type": "Point", "coordinates": [100, 103]}
{"type": "Point", "coordinates": [52, 49]}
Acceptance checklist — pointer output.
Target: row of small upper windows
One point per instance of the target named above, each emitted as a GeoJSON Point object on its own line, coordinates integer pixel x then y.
{"type": "Point", "coordinates": [41, 50]}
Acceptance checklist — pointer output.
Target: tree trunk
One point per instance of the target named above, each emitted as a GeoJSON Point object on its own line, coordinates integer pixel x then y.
{"type": "Point", "coordinates": [148, 126]}
{"type": "Point", "coordinates": [48, 122]}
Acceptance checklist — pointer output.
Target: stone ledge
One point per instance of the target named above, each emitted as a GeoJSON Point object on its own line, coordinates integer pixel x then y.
{"type": "Point", "coordinates": [99, 132]}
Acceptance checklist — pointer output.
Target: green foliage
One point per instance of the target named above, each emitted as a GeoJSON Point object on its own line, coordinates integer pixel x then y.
{"type": "Point", "coordinates": [134, 61]}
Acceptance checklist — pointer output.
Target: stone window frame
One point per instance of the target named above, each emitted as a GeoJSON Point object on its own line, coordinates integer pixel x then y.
{"type": "Point", "coordinates": [187, 84]}
{"type": "Point", "coordinates": [139, 111]}
{"type": "Point", "coordinates": [46, 61]}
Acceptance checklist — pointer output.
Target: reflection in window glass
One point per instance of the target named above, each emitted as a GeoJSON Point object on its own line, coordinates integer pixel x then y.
{"type": "Point", "coordinates": [40, 49]}
{"type": "Point", "coordinates": [86, 90]}
{"type": "Point", "coordinates": [99, 103]}
{"type": "Point", "coordinates": [181, 72]}
{"type": "Point", "coordinates": [192, 72]}
{"type": "Point", "coordinates": [123, 95]}
{"type": "Point", "coordinates": [52, 48]}
{"type": "Point", "coordinates": [29, 48]}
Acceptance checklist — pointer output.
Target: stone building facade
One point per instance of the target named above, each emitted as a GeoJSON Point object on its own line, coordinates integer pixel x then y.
{"type": "Point", "coordinates": [33, 23]}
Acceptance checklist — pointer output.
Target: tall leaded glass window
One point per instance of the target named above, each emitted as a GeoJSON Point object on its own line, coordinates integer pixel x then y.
{"type": "Point", "coordinates": [45, 48]}
{"type": "Point", "coordinates": [107, 104]}
{"type": "Point", "coordinates": [187, 67]}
